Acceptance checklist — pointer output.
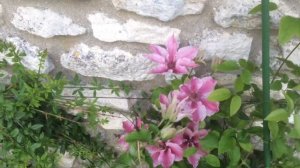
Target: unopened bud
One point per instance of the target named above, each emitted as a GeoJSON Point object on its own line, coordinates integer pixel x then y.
{"type": "Point", "coordinates": [168, 133]}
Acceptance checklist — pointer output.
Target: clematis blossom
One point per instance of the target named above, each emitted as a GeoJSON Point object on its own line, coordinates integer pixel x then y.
{"type": "Point", "coordinates": [171, 59]}
{"type": "Point", "coordinates": [165, 153]}
{"type": "Point", "coordinates": [190, 138]}
{"type": "Point", "coordinates": [195, 93]}
{"type": "Point", "coordinates": [128, 127]}
{"type": "Point", "coordinates": [172, 108]}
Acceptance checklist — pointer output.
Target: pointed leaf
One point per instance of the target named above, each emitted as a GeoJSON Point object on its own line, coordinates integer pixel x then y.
{"type": "Point", "coordinates": [219, 95]}
{"type": "Point", "coordinates": [289, 28]}
{"type": "Point", "coordinates": [235, 104]}
{"type": "Point", "coordinates": [278, 115]}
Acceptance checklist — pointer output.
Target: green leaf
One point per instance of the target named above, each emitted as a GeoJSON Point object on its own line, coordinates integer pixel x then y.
{"type": "Point", "coordinates": [234, 155]}
{"type": "Point", "coordinates": [276, 85]}
{"type": "Point", "coordinates": [36, 126]}
{"type": "Point", "coordinates": [35, 146]}
{"type": "Point", "coordinates": [290, 103]}
{"type": "Point", "coordinates": [238, 84]}
{"type": "Point", "coordinates": [142, 135]}
{"type": "Point", "coordinates": [212, 160]}
{"type": "Point", "coordinates": [189, 152]}
{"type": "Point", "coordinates": [227, 141]}
{"type": "Point", "coordinates": [289, 28]}
{"type": "Point", "coordinates": [246, 146]}
{"type": "Point", "coordinates": [279, 148]}
{"type": "Point", "coordinates": [235, 104]}
{"type": "Point", "coordinates": [15, 132]}
{"type": "Point", "coordinates": [227, 66]}
{"type": "Point", "coordinates": [296, 88]}
{"type": "Point", "coordinates": [258, 8]}
{"type": "Point", "coordinates": [219, 95]}
{"type": "Point", "coordinates": [297, 123]}
{"type": "Point", "coordinates": [274, 129]}
{"type": "Point", "coordinates": [246, 77]}
{"type": "Point", "coordinates": [278, 115]}
{"type": "Point", "coordinates": [210, 141]}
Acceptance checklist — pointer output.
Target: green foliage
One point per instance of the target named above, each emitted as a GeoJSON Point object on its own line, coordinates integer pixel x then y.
{"type": "Point", "coordinates": [35, 125]}
{"type": "Point", "coordinates": [289, 28]}
{"type": "Point", "coordinates": [258, 8]}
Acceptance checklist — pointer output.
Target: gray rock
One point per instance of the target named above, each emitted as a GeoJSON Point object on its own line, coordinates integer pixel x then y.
{"type": "Point", "coordinates": [110, 30]}
{"type": "Point", "coordinates": [235, 13]}
{"type": "Point", "coordinates": [1, 15]}
{"type": "Point", "coordinates": [4, 77]}
{"type": "Point", "coordinates": [105, 97]}
{"type": "Point", "coordinates": [31, 60]}
{"type": "Point", "coordinates": [221, 44]}
{"type": "Point", "coordinates": [114, 64]}
{"type": "Point", "coordinates": [45, 22]}
{"type": "Point", "coordinates": [288, 47]}
{"type": "Point", "coordinates": [164, 10]}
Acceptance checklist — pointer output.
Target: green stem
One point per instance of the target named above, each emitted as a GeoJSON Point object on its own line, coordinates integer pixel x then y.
{"type": "Point", "coordinates": [282, 63]}
{"type": "Point", "coordinates": [266, 78]}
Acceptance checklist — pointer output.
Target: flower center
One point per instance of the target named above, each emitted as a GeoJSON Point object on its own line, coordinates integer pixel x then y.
{"type": "Point", "coordinates": [194, 97]}
{"type": "Point", "coordinates": [171, 65]}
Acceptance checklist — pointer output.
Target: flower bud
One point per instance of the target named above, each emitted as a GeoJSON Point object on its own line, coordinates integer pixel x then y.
{"type": "Point", "coordinates": [168, 133]}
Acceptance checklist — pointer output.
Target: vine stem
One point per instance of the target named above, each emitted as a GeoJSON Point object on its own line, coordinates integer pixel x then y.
{"type": "Point", "coordinates": [56, 116]}
{"type": "Point", "coordinates": [283, 62]}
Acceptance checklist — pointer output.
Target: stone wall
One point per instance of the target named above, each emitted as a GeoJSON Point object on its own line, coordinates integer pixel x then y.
{"type": "Point", "coordinates": [107, 38]}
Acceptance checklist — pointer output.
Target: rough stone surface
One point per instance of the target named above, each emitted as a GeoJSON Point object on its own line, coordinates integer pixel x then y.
{"type": "Point", "coordinates": [223, 45]}
{"type": "Point", "coordinates": [235, 13]}
{"type": "Point", "coordinates": [105, 97]}
{"type": "Point", "coordinates": [1, 15]}
{"type": "Point", "coordinates": [114, 64]}
{"type": "Point", "coordinates": [45, 22]}
{"type": "Point", "coordinates": [164, 10]}
{"type": "Point", "coordinates": [31, 60]}
{"type": "Point", "coordinates": [287, 48]}
{"type": "Point", "coordinates": [110, 30]}
{"type": "Point", "coordinates": [66, 161]}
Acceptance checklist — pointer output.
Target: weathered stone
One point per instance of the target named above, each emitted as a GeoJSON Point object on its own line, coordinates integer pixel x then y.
{"type": "Point", "coordinates": [114, 64]}
{"type": "Point", "coordinates": [287, 48]}
{"type": "Point", "coordinates": [1, 15]}
{"type": "Point", "coordinates": [235, 13]}
{"type": "Point", "coordinates": [105, 97]}
{"type": "Point", "coordinates": [66, 161]}
{"type": "Point", "coordinates": [45, 22]}
{"type": "Point", "coordinates": [231, 46]}
{"type": "Point", "coordinates": [110, 30]}
{"type": "Point", "coordinates": [32, 59]}
{"type": "Point", "coordinates": [164, 10]}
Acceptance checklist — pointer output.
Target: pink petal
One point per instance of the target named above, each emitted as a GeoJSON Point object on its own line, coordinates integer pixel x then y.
{"type": "Point", "coordinates": [196, 84]}
{"type": "Point", "coordinates": [199, 114]}
{"type": "Point", "coordinates": [139, 123]}
{"type": "Point", "coordinates": [159, 69]}
{"type": "Point", "coordinates": [180, 69]}
{"type": "Point", "coordinates": [166, 158]}
{"type": "Point", "coordinates": [187, 63]}
{"type": "Point", "coordinates": [155, 159]}
{"type": "Point", "coordinates": [158, 50]}
{"type": "Point", "coordinates": [184, 92]}
{"type": "Point", "coordinates": [194, 159]}
{"type": "Point", "coordinates": [176, 150]}
{"type": "Point", "coordinates": [123, 144]}
{"type": "Point", "coordinates": [163, 99]}
{"type": "Point", "coordinates": [178, 139]}
{"type": "Point", "coordinates": [208, 85]}
{"type": "Point", "coordinates": [155, 58]}
{"type": "Point", "coordinates": [211, 107]}
{"type": "Point", "coordinates": [203, 133]}
{"type": "Point", "coordinates": [172, 46]}
{"type": "Point", "coordinates": [128, 126]}
{"type": "Point", "coordinates": [187, 52]}
{"type": "Point", "coordinates": [193, 126]}
{"type": "Point", "coordinates": [152, 149]}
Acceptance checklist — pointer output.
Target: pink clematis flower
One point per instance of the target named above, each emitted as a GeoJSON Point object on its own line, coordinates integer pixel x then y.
{"type": "Point", "coordinates": [165, 153]}
{"type": "Point", "coordinates": [170, 59]}
{"type": "Point", "coordinates": [190, 138]}
{"type": "Point", "coordinates": [128, 128]}
{"type": "Point", "coordinates": [196, 92]}
{"type": "Point", "coordinates": [172, 108]}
